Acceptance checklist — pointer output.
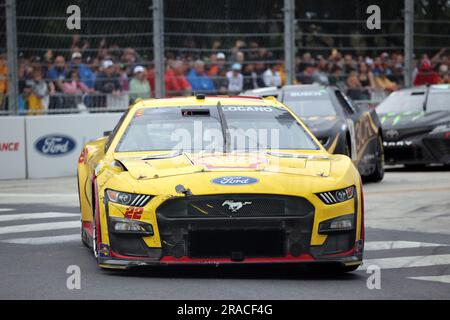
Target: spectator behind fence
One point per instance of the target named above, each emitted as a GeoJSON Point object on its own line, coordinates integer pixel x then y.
{"type": "Point", "coordinates": [320, 75]}
{"type": "Point", "coordinates": [235, 79]}
{"type": "Point", "coordinates": [106, 83]}
{"type": "Point", "coordinates": [306, 76]}
{"type": "Point", "coordinates": [218, 64]}
{"type": "Point", "coordinates": [444, 74]}
{"type": "Point", "coordinates": [426, 74]}
{"type": "Point", "coordinates": [175, 81]}
{"type": "Point", "coordinates": [38, 96]}
{"type": "Point", "coordinates": [74, 88]}
{"type": "Point", "coordinates": [85, 74]}
{"type": "Point", "coordinates": [57, 74]}
{"type": "Point", "coordinates": [365, 76]}
{"type": "Point", "coordinates": [3, 81]}
{"type": "Point", "coordinates": [199, 80]}
{"type": "Point", "coordinates": [354, 87]}
{"type": "Point", "coordinates": [382, 82]}
{"type": "Point", "coordinates": [272, 76]}
{"type": "Point", "coordinates": [250, 77]}
{"type": "Point", "coordinates": [139, 85]}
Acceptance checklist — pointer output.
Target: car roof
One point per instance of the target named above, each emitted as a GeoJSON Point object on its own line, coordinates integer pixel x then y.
{"type": "Point", "coordinates": [305, 87]}
{"type": "Point", "coordinates": [435, 88]}
{"type": "Point", "coordinates": [207, 101]}
{"type": "Point", "coordinates": [262, 92]}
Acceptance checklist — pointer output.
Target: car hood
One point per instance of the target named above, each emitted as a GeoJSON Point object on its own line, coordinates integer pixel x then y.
{"type": "Point", "coordinates": [309, 164]}
{"type": "Point", "coordinates": [323, 126]}
{"type": "Point", "coordinates": [411, 120]}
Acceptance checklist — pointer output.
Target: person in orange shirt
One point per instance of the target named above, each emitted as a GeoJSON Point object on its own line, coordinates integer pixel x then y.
{"type": "Point", "coordinates": [175, 81]}
{"type": "Point", "coordinates": [3, 80]}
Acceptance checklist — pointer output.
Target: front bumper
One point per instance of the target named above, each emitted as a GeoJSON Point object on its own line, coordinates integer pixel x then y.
{"type": "Point", "coordinates": [198, 230]}
{"type": "Point", "coordinates": [422, 149]}
{"type": "Point", "coordinates": [120, 262]}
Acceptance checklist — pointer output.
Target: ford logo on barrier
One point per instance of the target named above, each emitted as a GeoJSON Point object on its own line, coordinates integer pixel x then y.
{"type": "Point", "coordinates": [234, 180]}
{"type": "Point", "coordinates": [55, 145]}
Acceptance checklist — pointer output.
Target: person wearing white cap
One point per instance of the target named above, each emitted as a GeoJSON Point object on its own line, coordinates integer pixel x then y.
{"type": "Point", "coordinates": [139, 85]}
{"type": "Point", "coordinates": [235, 79]}
{"type": "Point", "coordinates": [85, 74]}
{"type": "Point", "coordinates": [107, 83]}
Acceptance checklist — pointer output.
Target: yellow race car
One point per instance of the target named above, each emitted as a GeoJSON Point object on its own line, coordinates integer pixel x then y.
{"type": "Point", "coordinates": [218, 180]}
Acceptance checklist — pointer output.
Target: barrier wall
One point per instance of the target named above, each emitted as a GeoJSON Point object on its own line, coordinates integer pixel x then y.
{"type": "Point", "coordinates": [12, 148]}
{"type": "Point", "coordinates": [48, 146]}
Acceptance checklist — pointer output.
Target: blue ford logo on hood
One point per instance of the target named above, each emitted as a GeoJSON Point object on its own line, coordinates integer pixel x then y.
{"type": "Point", "coordinates": [55, 145]}
{"type": "Point", "coordinates": [234, 180]}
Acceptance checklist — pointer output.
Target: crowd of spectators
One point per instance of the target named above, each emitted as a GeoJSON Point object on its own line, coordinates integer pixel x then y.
{"type": "Point", "coordinates": [114, 77]}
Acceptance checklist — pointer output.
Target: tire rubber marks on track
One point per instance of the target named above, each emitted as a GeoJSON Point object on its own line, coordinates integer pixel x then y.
{"type": "Point", "coordinates": [40, 215]}
{"type": "Point", "coordinates": [40, 227]}
{"type": "Point", "coordinates": [45, 240]}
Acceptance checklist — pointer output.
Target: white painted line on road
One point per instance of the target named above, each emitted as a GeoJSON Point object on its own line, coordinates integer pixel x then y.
{"type": "Point", "coordinates": [408, 262]}
{"type": "Point", "coordinates": [386, 245]}
{"type": "Point", "coordinates": [45, 240]}
{"type": "Point", "coordinates": [39, 215]}
{"type": "Point", "coordinates": [443, 279]}
{"type": "Point", "coordinates": [5, 209]}
{"type": "Point", "coordinates": [37, 195]}
{"type": "Point", "coordinates": [40, 227]}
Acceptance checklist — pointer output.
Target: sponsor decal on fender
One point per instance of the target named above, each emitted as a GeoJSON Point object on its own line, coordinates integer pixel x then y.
{"type": "Point", "coordinates": [133, 213]}
{"type": "Point", "coordinates": [104, 250]}
{"type": "Point", "coordinates": [55, 145]}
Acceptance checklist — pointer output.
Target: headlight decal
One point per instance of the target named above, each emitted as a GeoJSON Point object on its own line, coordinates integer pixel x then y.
{"type": "Point", "coordinates": [337, 196]}
{"type": "Point", "coordinates": [128, 199]}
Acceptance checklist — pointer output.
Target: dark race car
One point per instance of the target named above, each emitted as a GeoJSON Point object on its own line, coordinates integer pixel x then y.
{"type": "Point", "coordinates": [340, 125]}
{"type": "Point", "coordinates": [416, 125]}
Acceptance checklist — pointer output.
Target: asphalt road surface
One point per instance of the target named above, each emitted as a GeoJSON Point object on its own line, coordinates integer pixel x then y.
{"type": "Point", "coordinates": [407, 237]}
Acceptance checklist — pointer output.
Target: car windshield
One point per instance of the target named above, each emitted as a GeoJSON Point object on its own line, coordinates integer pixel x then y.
{"type": "Point", "coordinates": [407, 101]}
{"type": "Point", "coordinates": [196, 128]}
{"type": "Point", "coordinates": [402, 101]}
{"type": "Point", "coordinates": [438, 100]}
{"type": "Point", "coordinates": [310, 103]}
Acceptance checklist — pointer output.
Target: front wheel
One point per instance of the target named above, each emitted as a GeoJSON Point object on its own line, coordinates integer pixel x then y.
{"type": "Point", "coordinates": [378, 173]}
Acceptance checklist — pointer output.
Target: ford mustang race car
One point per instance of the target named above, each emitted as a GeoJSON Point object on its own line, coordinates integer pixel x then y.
{"type": "Point", "coordinates": [341, 126]}
{"type": "Point", "coordinates": [218, 180]}
{"type": "Point", "coordinates": [416, 126]}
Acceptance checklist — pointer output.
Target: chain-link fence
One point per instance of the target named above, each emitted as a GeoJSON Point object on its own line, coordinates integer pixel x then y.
{"type": "Point", "coordinates": [215, 47]}
{"type": "Point", "coordinates": [3, 60]}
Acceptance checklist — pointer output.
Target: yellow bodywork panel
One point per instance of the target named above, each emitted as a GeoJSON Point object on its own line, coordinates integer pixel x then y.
{"type": "Point", "coordinates": [300, 173]}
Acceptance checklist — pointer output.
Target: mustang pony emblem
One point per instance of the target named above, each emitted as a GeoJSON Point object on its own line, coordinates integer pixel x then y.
{"type": "Point", "coordinates": [234, 206]}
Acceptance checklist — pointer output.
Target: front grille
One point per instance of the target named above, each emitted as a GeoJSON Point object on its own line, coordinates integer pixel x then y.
{"type": "Point", "coordinates": [404, 134]}
{"type": "Point", "coordinates": [439, 147]}
{"type": "Point", "coordinates": [235, 205]}
{"type": "Point", "coordinates": [402, 154]}
{"type": "Point", "coordinates": [236, 244]}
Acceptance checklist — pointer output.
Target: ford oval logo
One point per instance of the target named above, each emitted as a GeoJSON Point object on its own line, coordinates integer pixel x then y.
{"type": "Point", "coordinates": [234, 180]}
{"type": "Point", "coordinates": [55, 145]}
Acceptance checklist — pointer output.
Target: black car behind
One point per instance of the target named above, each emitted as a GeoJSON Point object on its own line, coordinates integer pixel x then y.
{"type": "Point", "coordinates": [341, 126]}
{"type": "Point", "coordinates": [416, 125]}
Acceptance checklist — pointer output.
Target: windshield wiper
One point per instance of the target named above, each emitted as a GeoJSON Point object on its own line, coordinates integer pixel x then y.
{"type": "Point", "coordinates": [425, 102]}
{"type": "Point", "coordinates": [224, 126]}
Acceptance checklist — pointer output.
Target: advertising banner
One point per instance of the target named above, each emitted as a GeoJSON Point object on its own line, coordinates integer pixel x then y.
{"type": "Point", "coordinates": [12, 148]}
{"type": "Point", "coordinates": [54, 142]}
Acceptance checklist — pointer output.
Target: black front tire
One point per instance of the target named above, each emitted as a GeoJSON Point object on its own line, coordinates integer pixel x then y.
{"type": "Point", "coordinates": [378, 173]}
{"type": "Point", "coordinates": [84, 238]}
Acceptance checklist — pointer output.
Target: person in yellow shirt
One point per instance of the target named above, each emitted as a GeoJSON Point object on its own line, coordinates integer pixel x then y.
{"type": "Point", "coordinates": [3, 80]}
